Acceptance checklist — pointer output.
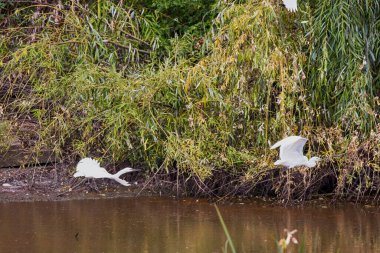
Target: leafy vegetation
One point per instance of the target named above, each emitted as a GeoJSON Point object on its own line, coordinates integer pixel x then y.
{"type": "Point", "coordinates": [144, 82]}
{"type": "Point", "coordinates": [344, 63]}
{"type": "Point", "coordinates": [179, 16]}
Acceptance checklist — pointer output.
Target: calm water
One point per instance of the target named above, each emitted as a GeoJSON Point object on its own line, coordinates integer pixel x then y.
{"type": "Point", "coordinates": [166, 225]}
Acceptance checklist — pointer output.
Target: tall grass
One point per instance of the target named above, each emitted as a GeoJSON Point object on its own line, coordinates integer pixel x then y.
{"type": "Point", "coordinates": [225, 229]}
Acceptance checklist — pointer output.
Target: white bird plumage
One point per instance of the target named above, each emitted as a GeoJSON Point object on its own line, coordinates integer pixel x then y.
{"type": "Point", "coordinates": [90, 168]}
{"type": "Point", "coordinates": [291, 153]}
{"type": "Point", "coordinates": [291, 5]}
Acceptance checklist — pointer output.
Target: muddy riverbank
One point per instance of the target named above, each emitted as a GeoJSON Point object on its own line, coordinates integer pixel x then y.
{"type": "Point", "coordinates": [51, 183]}
{"type": "Point", "coordinates": [55, 182]}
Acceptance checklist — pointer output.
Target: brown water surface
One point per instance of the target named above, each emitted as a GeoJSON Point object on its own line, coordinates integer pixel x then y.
{"type": "Point", "coordinates": [187, 225]}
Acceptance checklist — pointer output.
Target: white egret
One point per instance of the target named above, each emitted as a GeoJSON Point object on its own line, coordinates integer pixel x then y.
{"type": "Point", "coordinates": [90, 168]}
{"type": "Point", "coordinates": [291, 5]}
{"type": "Point", "coordinates": [291, 153]}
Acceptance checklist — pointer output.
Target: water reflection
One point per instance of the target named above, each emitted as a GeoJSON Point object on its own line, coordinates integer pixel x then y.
{"type": "Point", "coordinates": [166, 225]}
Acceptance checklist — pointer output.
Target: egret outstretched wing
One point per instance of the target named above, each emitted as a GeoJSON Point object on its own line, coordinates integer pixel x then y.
{"type": "Point", "coordinates": [87, 163]}
{"type": "Point", "coordinates": [291, 5]}
{"type": "Point", "coordinates": [85, 166]}
{"type": "Point", "coordinates": [287, 141]}
{"type": "Point", "coordinates": [88, 167]}
{"type": "Point", "coordinates": [291, 148]}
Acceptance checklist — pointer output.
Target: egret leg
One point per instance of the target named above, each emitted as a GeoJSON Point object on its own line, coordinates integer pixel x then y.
{"type": "Point", "coordinates": [288, 185]}
{"type": "Point", "coordinates": [93, 185]}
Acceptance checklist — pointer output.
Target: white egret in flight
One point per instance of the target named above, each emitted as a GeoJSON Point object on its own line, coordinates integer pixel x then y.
{"type": "Point", "coordinates": [291, 153]}
{"type": "Point", "coordinates": [291, 5]}
{"type": "Point", "coordinates": [90, 168]}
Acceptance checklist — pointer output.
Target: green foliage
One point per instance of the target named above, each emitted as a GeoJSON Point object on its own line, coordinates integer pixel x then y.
{"type": "Point", "coordinates": [120, 37]}
{"type": "Point", "coordinates": [344, 62]}
{"type": "Point", "coordinates": [180, 16]}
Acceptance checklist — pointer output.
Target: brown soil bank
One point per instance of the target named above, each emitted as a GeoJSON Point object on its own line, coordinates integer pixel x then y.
{"type": "Point", "coordinates": [50, 183]}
